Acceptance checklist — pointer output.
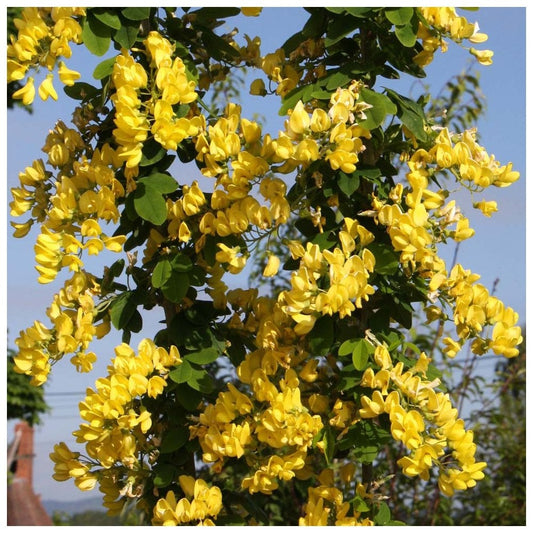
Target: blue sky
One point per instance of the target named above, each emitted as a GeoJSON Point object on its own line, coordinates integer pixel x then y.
{"type": "Point", "coordinates": [497, 251]}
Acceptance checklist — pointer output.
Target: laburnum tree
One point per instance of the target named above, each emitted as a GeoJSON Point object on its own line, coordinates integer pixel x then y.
{"type": "Point", "coordinates": [250, 407]}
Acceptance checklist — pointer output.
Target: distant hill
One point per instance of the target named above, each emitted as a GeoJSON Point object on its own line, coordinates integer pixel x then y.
{"type": "Point", "coordinates": [74, 507]}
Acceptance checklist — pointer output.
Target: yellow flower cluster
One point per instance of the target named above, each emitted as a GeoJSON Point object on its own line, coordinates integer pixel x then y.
{"type": "Point", "coordinates": [413, 232]}
{"type": "Point", "coordinates": [347, 276]}
{"type": "Point", "coordinates": [44, 36]}
{"type": "Point", "coordinates": [333, 135]}
{"type": "Point", "coordinates": [144, 102]}
{"type": "Point", "coordinates": [269, 426]}
{"type": "Point", "coordinates": [67, 465]}
{"type": "Point", "coordinates": [117, 424]}
{"type": "Point", "coordinates": [470, 161]}
{"type": "Point", "coordinates": [444, 21]}
{"type": "Point", "coordinates": [474, 308]}
{"type": "Point", "coordinates": [72, 314]}
{"type": "Point", "coordinates": [326, 506]}
{"type": "Point", "coordinates": [423, 420]}
{"type": "Point", "coordinates": [278, 419]}
{"type": "Point", "coordinates": [201, 504]}
{"type": "Point", "coordinates": [280, 71]}
{"type": "Point", "coordinates": [275, 417]}
{"type": "Point", "coordinates": [131, 122]}
{"type": "Point", "coordinates": [85, 191]}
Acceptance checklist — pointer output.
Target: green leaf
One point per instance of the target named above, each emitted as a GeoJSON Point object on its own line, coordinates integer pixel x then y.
{"type": "Point", "coordinates": [96, 36]}
{"type": "Point", "coordinates": [348, 183]}
{"type": "Point", "coordinates": [195, 378]}
{"type": "Point", "coordinates": [136, 13]}
{"type": "Point", "coordinates": [299, 93]}
{"type": "Point", "coordinates": [80, 90]}
{"type": "Point", "coordinates": [104, 69]}
{"type": "Point", "coordinates": [360, 505]}
{"type": "Point", "coordinates": [329, 444]}
{"type": "Point", "coordinates": [387, 261]}
{"type": "Point", "coordinates": [348, 382]}
{"type": "Point", "coordinates": [337, 79]}
{"type": "Point", "coordinates": [182, 373]}
{"type": "Point", "coordinates": [203, 357]}
{"type": "Point", "coordinates": [324, 240]}
{"type": "Point", "coordinates": [399, 16]}
{"type": "Point", "coordinates": [370, 174]}
{"type": "Point", "coordinates": [354, 11]}
{"type": "Point", "coordinates": [116, 268]}
{"type": "Point", "coordinates": [366, 439]}
{"type": "Point", "coordinates": [176, 286]}
{"type": "Point", "coordinates": [152, 152]}
{"type": "Point", "coordinates": [406, 35]}
{"type": "Point", "coordinates": [159, 182]}
{"type": "Point", "coordinates": [313, 28]}
{"type": "Point", "coordinates": [135, 323]}
{"type": "Point", "coordinates": [197, 276]}
{"type": "Point", "coordinates": [216, 46]}
{"type": "Point", "coordinates": [187, 397]}
{"type": "Point", "coordinates": [383, 516]}
{"type": "Point", "coordinates": [161, 273]}
{"type": "Point", "coordinates": [361, 354]}
{"type": "Point", "coordinates": [150, 204]}
{"type": "Point", "coordinates": [174, 439]}
{"type": "Point", "coordinates": [381, 107]}
{"type": "Point", "coordinates": [181, 263]}
{"type": "Point", "coordinates": [164, 475]}
{"type": "Point", "coordinates": [410, 113]}
{"type": "Point", "coordinates": [122, 309]}
{"type": "Point", "coordinates": [359, 11]}
{"type": "Point", "coordinates": [207, 13]}
{"type": "Point", "coordinates": [339, 28]}
{"type": "Point", "coordinates": [126, 35]}
{"type": "Point", "coordinates": [201, 313]}
{"type": "Point", "coordinates": [109, 18]}
{"type": "Point", "coordinates": [347, 347]}
{"type": "Point", "coordinates": [321, 337]}
{"type": "Point", "coordinates": [401, 311]}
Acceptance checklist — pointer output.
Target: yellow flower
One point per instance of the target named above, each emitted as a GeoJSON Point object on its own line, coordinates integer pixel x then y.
{"type": "Point", "coordinates": [452, 347]}
{"type": "Point", "coordinates": [487, 208]}
{"type": "Point", "coordinates": [66, 75]}
{"type": "Point", "coordinates": [484, 57]}
{"type": "Point", "coordinates": [229, 255]}
{"type": "Point", "coordinates": [26, 93]}
{"type": "Point", "coordinates": [251, 11]}
{"type": "Point", "coordinates": [463, 230]}
{"type": "Point", "coordinates": [257, 87]}
{"type": "Point", "coordinates": [272, 266]}
{"type": "Point", "coordinates": [46, 88]}
{"type": "Point", "coordinates": [298, 122]}
{"type": "Point", "coordinates": [21, 230]}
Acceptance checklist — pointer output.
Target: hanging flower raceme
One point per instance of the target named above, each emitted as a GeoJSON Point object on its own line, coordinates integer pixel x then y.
{"type": "Point", "coordinates": [70, 205]}
{"type": "Point", "coordinates": [424, 420]}
{"type": "Point", "coordinates": [72, 315]}
{"type": "Point", "coordinates": [117, 428]}
{"type": "Point", "coordinates": [347, 279]}
{"type": "Point", "coordinates": [445, 22]}
{"type": "Point", "coordinates": [200, 505]}
{"type": "Point", "coordinates": [44, 35]}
